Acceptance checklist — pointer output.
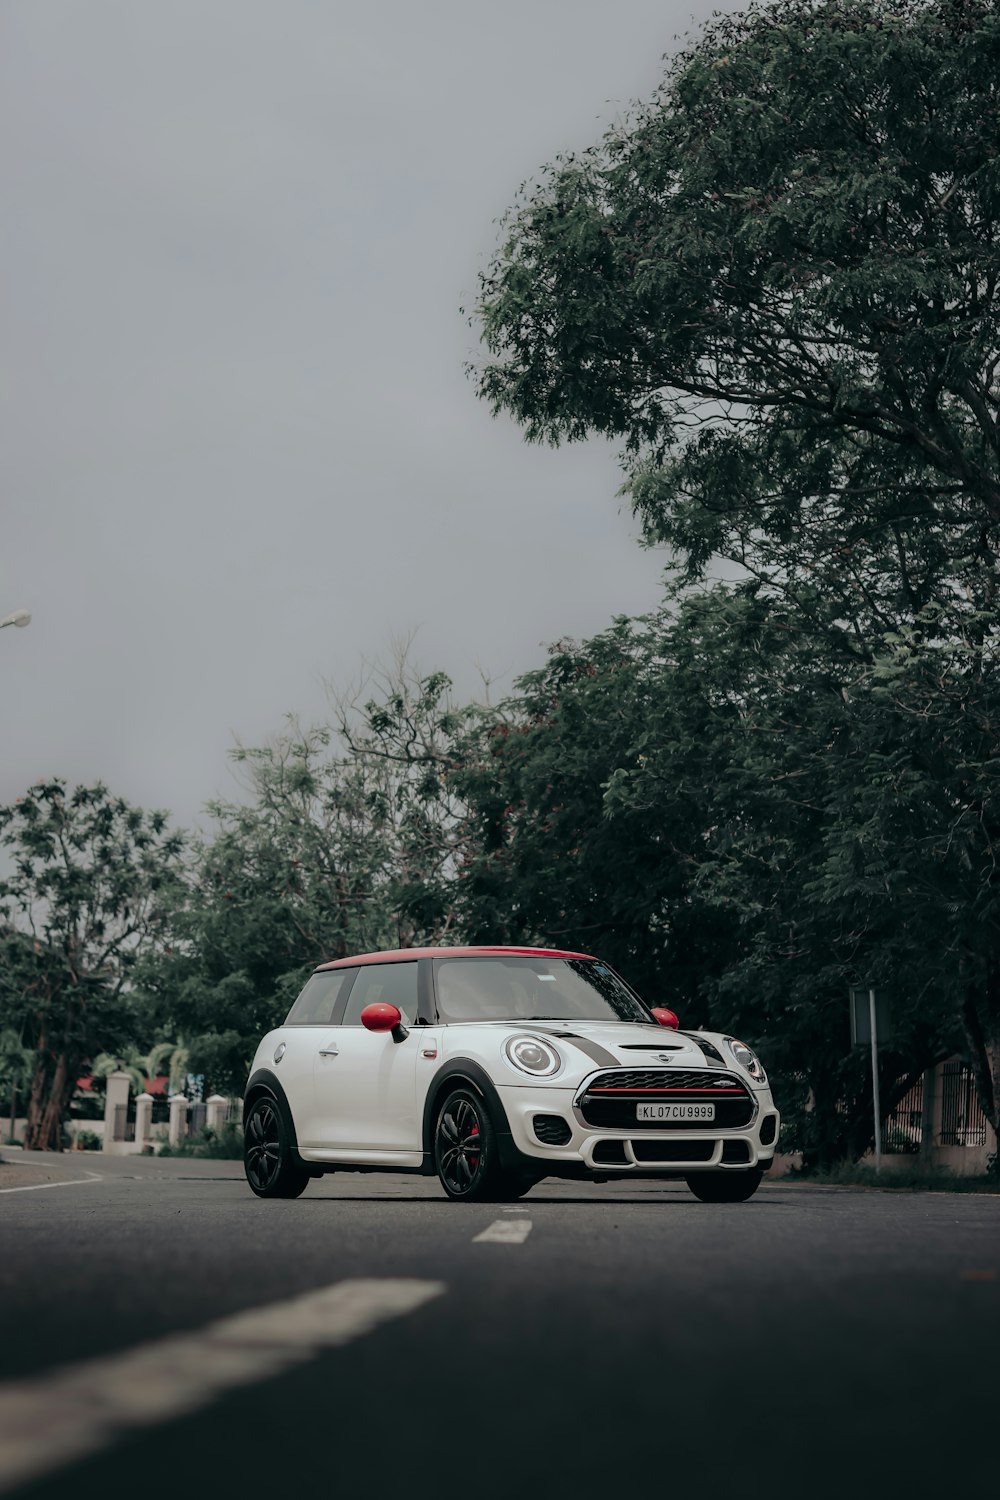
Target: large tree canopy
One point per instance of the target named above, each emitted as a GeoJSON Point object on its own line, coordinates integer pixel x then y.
{"type": "Point", "coordinates": [778, 284]}
{"type": "Point", "coordinates": [88, 889]}
{"type": "Point", "coordinates": [692, 796]}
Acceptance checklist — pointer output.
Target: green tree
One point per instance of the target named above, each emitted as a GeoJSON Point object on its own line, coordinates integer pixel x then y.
{"type": "Point", "coordinates": [90, 876]}
{"type": "Point", "coordinates": [777, 286]}
{"type": "Point", "coordinates": [914, 836]}
{"type": "Point", "coordinates": [165, 1059]}
{"type": "Point", "coordinates": [543, 860]}
{"type": "Point", "coordinates": [679, 795]}
{"type": "Point", "coordinates": [17, 1064]}
{"type": "Point", "coordinates": [343, 845]}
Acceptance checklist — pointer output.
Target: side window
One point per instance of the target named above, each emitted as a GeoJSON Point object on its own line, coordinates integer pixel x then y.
{"type": "Point", "coordinates": [394, 983]}
{"type": "Point", "coordinates": [316, 1002]}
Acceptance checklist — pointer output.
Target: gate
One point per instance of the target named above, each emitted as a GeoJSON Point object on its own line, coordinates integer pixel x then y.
{"type": "Point", "coordinates": [903, 1128]}
{"type": "Point", "coordinates": [962, 1120]}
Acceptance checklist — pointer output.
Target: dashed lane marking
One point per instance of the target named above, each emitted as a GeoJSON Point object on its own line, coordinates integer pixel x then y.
{"type": "Point", "coordinates": [53, 1419]}
{"type": "Point", "coordinates": [504, 1232]}
{"type": "Point", "coordinates": [39, 1187]}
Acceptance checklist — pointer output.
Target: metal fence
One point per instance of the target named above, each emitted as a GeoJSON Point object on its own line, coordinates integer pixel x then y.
{"type": "Point", "coordinates": [902, 1130]}
{"type": "Point", "coordinates": [197, 1116]}
{"type": "Point", "coordinates": [962, 1120]}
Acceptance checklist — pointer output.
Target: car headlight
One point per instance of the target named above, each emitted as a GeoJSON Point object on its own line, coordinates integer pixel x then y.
{"type": "Point", "coordinates": [747, 1058]}
{"type": "Point", "coordinates": [529, 1054]}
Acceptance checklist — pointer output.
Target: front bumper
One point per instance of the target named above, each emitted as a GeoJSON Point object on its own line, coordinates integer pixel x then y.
{"type": "Point", "coordinates": [642, 1151]}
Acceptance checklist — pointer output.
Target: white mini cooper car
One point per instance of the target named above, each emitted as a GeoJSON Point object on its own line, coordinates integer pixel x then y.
{"type": "Point", "coordinates": [494, 1068]}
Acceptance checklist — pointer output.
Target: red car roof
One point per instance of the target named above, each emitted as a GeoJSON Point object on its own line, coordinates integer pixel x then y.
{"type": "Point", "coordinates": [394, 955]}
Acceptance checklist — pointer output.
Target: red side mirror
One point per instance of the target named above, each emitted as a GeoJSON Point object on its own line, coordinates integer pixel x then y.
{"type": "Point", "coordinates": [661, 1015]}
{"type": "Point", "coordinates": [381, 1016]}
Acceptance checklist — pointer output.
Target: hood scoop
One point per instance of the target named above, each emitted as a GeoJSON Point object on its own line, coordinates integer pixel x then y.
{"type": "Point", "coordinates": [652, 1047]}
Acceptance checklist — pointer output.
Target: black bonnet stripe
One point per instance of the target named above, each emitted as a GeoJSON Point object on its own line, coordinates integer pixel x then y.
{"type": "Point", "coordinates": [710, 1052]}
{"type": "Point", "coordinates": [598, 1054]}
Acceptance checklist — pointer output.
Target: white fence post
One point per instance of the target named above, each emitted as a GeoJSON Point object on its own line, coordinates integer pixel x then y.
{"type": "Point", "coordinates": [215, 1113]}
{"type": "Point", "coordinates": [143, 1121]}
{"type": "Point", "coordinates": [178, 1119]}
{"type": "Point", "coordinates": [117, 1094]}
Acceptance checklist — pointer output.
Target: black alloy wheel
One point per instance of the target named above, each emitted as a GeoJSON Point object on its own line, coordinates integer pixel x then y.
{"type": "Point", "coordinates": [725, 1187]}
{"type": "Point", "coordinates": [465, 1150]}
{"type": "Point", "coordinates": [272, 1171]}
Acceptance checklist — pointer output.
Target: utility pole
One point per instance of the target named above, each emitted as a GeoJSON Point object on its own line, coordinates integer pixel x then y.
{"type": "Point", "coordinates": [875, 1095]}
{"type": "Point", "coordinates": [871, 1022]}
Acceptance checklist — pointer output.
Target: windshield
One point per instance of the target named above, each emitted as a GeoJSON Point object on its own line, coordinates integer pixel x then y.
{"type": "Point", "coordinates": [525, 988]}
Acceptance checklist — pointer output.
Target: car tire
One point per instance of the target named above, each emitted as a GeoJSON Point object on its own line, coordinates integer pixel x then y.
{"type": "Point", "coordinates": [466, 1151]}
{"type": "Point", "coordinates": [724, 1187]}
{"type": "Point", "coordinates": [271, 1168]}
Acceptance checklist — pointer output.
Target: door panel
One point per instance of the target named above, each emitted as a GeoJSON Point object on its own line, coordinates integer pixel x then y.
{"type": "Point", "coordinates": [305, 1031]}
{"type": "Point", "coordinates": [365, 1083]}
{"type": "Point", "coordinates": [295, 1074]}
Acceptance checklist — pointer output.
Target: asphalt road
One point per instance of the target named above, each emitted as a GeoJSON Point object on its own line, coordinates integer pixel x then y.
{"type": "Point", "coordinates": [616, 1340]}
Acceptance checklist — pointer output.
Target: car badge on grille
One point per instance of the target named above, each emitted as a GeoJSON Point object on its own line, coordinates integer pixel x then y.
{"type": "Point", "coordinates": [663, 1057]}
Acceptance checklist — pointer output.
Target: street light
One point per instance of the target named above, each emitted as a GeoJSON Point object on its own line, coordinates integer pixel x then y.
{"type": "Point", "coordinates": [20, 617]}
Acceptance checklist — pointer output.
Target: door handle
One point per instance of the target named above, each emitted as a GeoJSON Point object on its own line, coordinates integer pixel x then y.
{"type": "Point", "coordinates": [331, 1051]}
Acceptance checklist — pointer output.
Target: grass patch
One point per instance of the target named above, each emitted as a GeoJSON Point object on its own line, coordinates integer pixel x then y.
{"type": "Point", "coordinates": [913, 1179]}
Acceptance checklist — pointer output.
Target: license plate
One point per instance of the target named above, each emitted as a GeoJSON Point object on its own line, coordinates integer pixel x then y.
{"type": "Point", "coordinates": [675, 1112]}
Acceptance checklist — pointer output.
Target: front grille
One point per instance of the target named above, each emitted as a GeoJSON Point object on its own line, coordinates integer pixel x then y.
{"type": "Point", "coordinates": [551, 1130]}
{"type": "Point", "coordinates": [673, 1150]}
{"type": "Point", "coordinates": [665, 1081]}
{"type": "Point", "coordinates": [610, 1099]}
{"type": "Point", "coordinates": [736, 1151]}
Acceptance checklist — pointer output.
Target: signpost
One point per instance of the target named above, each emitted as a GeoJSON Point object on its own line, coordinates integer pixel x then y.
{"type": "Point", "coordinates": [871, 1022]}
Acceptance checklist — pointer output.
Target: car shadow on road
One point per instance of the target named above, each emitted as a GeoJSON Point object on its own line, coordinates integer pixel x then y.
{"type": "Point", "coordinates": [680, 1198]}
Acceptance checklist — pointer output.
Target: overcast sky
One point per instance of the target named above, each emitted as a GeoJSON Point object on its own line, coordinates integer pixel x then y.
{"type": "Point", "coordinates": [239, 449]}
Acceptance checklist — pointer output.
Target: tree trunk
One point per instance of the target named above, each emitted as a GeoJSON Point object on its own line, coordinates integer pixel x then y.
{"type": "Point", "coordinates": [826, 1143]}
{"type": "Point", "coordinates": [51, 1091]}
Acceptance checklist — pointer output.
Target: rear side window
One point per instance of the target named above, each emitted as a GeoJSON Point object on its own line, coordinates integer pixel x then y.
{"type": "Point", "coordinates": [316, 1002]}
{"type": "Point", "coordinates": [394, 983]}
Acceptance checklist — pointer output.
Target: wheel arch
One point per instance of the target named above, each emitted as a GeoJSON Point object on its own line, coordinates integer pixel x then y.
{"type": "Point", "coordinates": [462, 1070]}
{"type": "Point", "coordinates": [262, 1084]}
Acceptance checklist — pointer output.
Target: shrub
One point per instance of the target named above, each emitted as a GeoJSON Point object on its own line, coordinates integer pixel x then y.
{"type": "Point", "coordinates": [223, 1145]}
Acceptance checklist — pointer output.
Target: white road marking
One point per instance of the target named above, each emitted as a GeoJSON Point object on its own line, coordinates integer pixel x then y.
{"type": "Point", "coordinates": [52, 1419]}
{"type": "Point", "coordinates": [505, 1232]}
{"type": "Point", "coordinates": [38, 1187]}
